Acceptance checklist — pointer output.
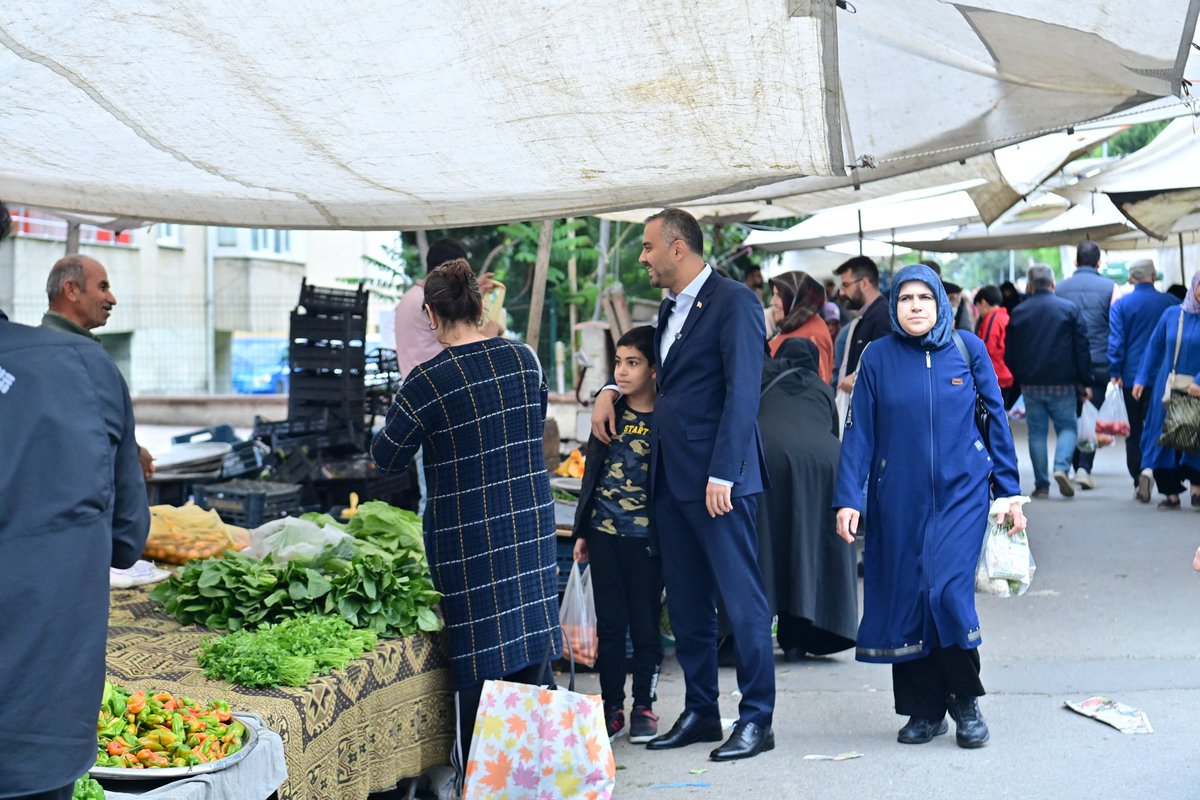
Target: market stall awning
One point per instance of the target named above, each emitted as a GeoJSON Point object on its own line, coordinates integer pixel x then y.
{"type": "Point", "coordinates": [872, 220]}
{"type": "Point", "coordinates": [1154, 187]}
{"type": "Point", "coordinates": [1071, 226]}
{"type": "Point", "coordinates": [370, 114]}
{"type": "Point", "coordinates": [995, 182]}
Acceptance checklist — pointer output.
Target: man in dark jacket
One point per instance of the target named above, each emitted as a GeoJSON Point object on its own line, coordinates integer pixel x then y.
{"type": "Point", "coordinates": [860, 287]}
{"type": "Point", "coordinates": [74, 504]}
{"type": "Point", "coordinates": [1093, 294]}
{"type": "Point", "coordinates": [1130, 323]}
{"type": "Point", "coordinates": [1047, 351]}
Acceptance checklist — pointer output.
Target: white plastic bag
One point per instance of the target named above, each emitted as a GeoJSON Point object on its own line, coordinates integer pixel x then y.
{"type": "Point", "coordinates": [1087, 442]}
{"type": "Point", "coordinates": [577, 616]}
{"type": "Point", "coordinates": [291, 539]}
{"type": "Point", "coordinates": [842, 401]}
{"type": "Point", "coordinates": [1006, 564]}
{"type": "Point", "coordinates": [1113, 418]}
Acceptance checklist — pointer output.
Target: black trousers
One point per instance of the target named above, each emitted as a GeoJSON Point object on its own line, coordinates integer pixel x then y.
{"type": "Point", "coordinates": [56, 794]}
{"type": "Point", "coordinates": [627, 583]}
{"type": "Point", "coordinates": [468, 704]}
{"type": "Point", "coordinates": [800, 634]}
{"type": "Point", "coordinates": [921, 687]}
{"type": "Point", "coordinates": [1170, 479]}
{"type": "Point", "coordinates": [1136, 409]}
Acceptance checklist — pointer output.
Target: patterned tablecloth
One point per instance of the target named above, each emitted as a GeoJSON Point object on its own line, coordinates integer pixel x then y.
{"type": "Point", "coordinates": [387, 716]}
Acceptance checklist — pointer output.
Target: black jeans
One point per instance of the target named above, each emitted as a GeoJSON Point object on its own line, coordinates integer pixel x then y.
{"type": "Point", "coordinates": [1136, 409]}
{"type": "Point", "coordinates": [922, 686]}
{"type": "Point", "coordinates": [627, 583]}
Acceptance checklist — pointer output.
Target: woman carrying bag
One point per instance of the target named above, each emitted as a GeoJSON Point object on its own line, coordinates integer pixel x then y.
{"type": "Point", "coordinates": [912, 439]}
{"type": "Point", "coordinates": [479, 410]}
{"type": "Point", "coordinates": [1173, 352]}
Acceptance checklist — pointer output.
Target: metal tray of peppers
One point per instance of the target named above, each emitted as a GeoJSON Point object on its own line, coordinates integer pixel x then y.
{"type": "Point", "coordinates": [156, 736]}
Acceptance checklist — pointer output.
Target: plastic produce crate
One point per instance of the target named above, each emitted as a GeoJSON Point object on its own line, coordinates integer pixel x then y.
{"type": "Point", "coordinates": [326, 298]}
{"type": "Point", "coordinates": [250, 503]}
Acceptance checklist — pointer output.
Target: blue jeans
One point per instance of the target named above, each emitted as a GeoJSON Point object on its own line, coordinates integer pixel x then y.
{"type": "Point", "coordinates": [1040, 409]}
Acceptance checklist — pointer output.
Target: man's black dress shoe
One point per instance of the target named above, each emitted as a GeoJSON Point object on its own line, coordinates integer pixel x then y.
{"type": "Point", "coordinates": [746, 741]}
{"type": "Point", "coordinates": [920, 731]}
{"type": "Point", "coordinates": [688, 729]}
{"type": "Point", "coordinates": [970, 729]}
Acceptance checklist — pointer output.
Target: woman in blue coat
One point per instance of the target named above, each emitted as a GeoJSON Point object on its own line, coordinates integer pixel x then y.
{"type": "Point", "coordinates": [1171, 467]}
{"type": "Point", "coordinates": [911, 440]}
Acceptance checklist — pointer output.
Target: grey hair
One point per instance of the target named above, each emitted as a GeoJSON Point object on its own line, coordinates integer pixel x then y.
{"type": "Point", "coordinates": [1040, 277]}
{"type": "Point", "coordinates": [68, 268]}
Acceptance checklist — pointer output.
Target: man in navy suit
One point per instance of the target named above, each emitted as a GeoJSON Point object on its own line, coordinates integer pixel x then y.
{"type": "Point", "coordinates": [707, 470]}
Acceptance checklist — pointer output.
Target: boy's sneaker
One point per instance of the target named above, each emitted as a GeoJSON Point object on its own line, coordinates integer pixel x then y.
{"type": "Point", "coordinates": [643, 725]}
{"type": "Point", "coordinates": [614, 722]}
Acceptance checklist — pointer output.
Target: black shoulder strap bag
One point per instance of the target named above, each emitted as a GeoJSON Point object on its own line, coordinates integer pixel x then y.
{"type": "Point", "coordinates": [983, 417]}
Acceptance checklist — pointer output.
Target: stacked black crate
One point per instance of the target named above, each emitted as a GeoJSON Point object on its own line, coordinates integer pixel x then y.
{"type": "Point", "coordinates": [328, 363]}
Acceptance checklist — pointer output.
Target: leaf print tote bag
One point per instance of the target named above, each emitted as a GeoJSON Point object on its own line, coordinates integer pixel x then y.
{"type": "Point", "coordinates": [534, 743]}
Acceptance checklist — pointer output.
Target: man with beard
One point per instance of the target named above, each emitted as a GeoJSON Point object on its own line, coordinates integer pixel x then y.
{"type": "Point", "coordinates": [860, 287]}
{"type": "Point", "coordinates": [707, 470]}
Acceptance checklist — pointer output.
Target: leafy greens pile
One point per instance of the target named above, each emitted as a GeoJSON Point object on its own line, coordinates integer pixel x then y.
{"type": "Point", "coordinates": [285, 654]}
{"type": "Point", "coordinates": [385, 587]}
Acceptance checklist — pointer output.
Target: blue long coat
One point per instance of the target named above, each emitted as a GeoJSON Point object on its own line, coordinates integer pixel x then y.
{"type": "Point", "coordinates": [911, 440]}
{"type": "Point", "coordinates": [1156, 365]}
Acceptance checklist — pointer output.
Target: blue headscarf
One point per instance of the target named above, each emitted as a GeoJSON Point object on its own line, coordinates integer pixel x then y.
{"type": "Point", "coordinates": [939, 334]}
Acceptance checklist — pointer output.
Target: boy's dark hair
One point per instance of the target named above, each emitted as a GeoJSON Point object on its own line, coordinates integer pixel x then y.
{"type": "Point", "coordinates": [860, 267]}
{"type": "Point", "coordinates": [641, 339]}
{"type": "Point", "coordinates": [989, 293]}
{"type": "Point", "coordinates": [444, 250]}
{"type": "Point", "coordinates": [5, 222]}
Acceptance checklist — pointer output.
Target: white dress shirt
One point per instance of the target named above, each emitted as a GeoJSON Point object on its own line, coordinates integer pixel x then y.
{"type": "Point", "coordinates": [679, 314]}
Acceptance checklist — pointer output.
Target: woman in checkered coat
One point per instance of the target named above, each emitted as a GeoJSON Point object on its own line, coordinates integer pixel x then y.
{"type": "Point", "coordinates": [479, 410]}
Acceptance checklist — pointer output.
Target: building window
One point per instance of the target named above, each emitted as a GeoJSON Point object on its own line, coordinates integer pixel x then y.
{"type": "Point", "coordinates": [227, 237]}
{"type": "Point", "coordinates": [269, 240]}
{"type": "Point", "coordinates": [169, 235]}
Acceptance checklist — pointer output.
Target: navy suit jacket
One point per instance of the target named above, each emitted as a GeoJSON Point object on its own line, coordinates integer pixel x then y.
{"type": "Point", "coordinates": [706, 412]}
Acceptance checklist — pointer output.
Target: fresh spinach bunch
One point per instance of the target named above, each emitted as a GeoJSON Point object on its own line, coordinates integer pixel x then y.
{"type": "Point", "coordinates": [285, 654]}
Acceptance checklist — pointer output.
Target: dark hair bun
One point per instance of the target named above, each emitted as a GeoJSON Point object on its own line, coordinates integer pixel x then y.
{"type": "Point", "coordinates": [453, 293]}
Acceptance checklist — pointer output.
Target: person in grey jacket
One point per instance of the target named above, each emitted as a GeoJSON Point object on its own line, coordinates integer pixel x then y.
{"type": "Point", "coordinates": [74, 504]}
{"type": "Point", "coordinates": [1092, 294]}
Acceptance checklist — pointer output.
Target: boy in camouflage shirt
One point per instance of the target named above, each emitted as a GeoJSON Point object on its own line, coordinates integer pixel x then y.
{"type": "Point", "coordinates": [612, 530]}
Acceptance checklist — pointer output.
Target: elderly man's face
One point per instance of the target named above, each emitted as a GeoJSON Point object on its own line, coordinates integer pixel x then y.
{"type": "Point", "coordinates": [91, 303]}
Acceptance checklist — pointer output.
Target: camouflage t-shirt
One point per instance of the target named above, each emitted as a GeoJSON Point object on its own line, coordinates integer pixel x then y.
{"type": "Point", "coordinates": [620, 503]}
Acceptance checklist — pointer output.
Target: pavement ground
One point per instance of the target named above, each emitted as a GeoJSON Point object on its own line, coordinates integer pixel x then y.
{"type": "Point", "coordinates": [1113, 610]}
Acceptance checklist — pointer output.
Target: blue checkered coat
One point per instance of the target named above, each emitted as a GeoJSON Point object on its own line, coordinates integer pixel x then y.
{"type": "Point", "coordinates": [479, 410]}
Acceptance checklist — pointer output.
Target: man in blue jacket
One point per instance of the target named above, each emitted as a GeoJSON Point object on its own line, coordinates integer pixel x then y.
{"type": "Point", "coordinates": [1047, 351]}
{"type": "Point", "coordinates": [1094, 295]}
{"type": "Point", "coordinates": [707, 470]}
{"type": "Point", "coordinates": [74, 504]}
{"type": "Point", "coordinates": [1130, 323]}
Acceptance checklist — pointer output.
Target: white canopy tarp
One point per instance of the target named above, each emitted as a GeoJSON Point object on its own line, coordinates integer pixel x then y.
{"type": "Point", "coordinates": [995, 182]}
{"type": "Point", "coordinates": [1071, 226]}
{"type": "Point", "coordinates": [1154, 187]}
{"type": "Point", "coordinates": [872, 220]}
{"type": "Point", "coordinates": [371, 114]}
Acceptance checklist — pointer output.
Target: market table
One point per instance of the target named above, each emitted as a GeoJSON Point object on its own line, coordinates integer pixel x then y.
{"type": "Point", "coordinates": [389, 715]}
